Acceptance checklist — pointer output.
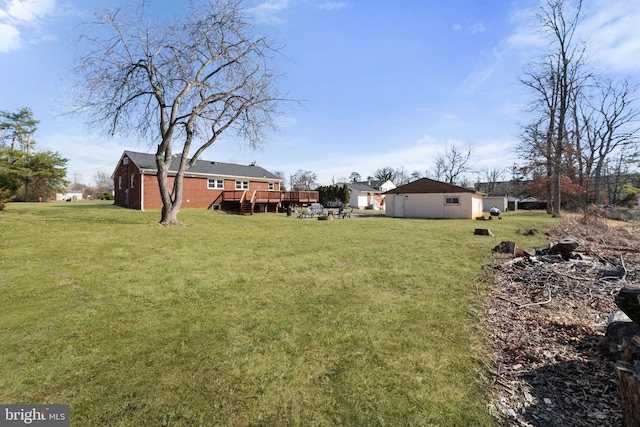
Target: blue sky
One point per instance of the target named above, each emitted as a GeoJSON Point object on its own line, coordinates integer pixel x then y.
{"type": "Point", "coordinates": [384, 83]}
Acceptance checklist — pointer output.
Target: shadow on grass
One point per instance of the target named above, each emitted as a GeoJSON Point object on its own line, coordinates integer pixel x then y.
{"type": "Point", "coordinates": [84, 205]}
{"type": "Point", "coordinates": [83, 212]}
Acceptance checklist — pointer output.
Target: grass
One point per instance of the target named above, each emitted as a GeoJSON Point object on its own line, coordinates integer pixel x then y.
{"type": "Point", "coordinates": [245, 321]}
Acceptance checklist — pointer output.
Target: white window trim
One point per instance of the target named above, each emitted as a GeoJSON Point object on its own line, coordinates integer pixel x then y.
{"type": "Point", "coordinates": [447, 203]}
{"type": "Point", "coordinates": [218, 184]}
{"type": "Point", "coordinates": [272, 186]}
{"type": "Point", "coordinates": [242, 185]}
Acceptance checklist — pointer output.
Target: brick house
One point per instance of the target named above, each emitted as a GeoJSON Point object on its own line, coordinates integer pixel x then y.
{"type": "Point", "coordinates": [208, 184]}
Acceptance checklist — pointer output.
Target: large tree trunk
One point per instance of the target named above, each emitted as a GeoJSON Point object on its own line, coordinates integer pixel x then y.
{"type": "Point", "coordinates": [628, 373]}
{"type": "Point", "coordinates": [171, 199]}
{"type": "Point", "coordinates": [170, 215]}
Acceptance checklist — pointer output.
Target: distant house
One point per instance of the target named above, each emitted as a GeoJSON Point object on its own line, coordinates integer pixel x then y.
{"type": "Point", "coordinates": [69, 196]}
{"type": "Point", "coordinates": [380, 185]}
{"type": "Point", "coordinates": [208, 184]}
{"type": "Point", "coordinates": [368, 194]}
{"type": "Point", "coordinates": [426, 198]}
{"type": "Point", "coordinates": [500, 201]}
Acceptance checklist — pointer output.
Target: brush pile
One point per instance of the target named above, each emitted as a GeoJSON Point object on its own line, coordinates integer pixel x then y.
{"type": "Point", "coordinates": [547, 316]}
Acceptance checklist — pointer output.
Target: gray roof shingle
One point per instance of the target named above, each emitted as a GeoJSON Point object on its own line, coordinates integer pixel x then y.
{"type": "Point", "coordinates": [147, 161]}
{"type": "Point", "coordinates": [426, 185]}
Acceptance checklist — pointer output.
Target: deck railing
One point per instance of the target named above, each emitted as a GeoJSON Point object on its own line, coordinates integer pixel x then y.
{"type": "Point", "coordinates": [233, 195]}
{"type": "Point", "coordinates": [265, 196]}
{"type": "Point", "coordinates": [300, 196]}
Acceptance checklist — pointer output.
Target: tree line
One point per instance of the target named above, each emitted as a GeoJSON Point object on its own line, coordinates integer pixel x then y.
{"type": "Point", "coordinates": [583, 130]}
{"type": "Point", "coordinates": [25, 173]}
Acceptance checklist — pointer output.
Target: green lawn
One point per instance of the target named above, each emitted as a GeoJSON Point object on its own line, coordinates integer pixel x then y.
{"type": "Point", "coordinates": [234, 320]}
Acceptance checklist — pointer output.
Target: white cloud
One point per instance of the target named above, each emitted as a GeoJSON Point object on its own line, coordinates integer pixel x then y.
{"type": "Point", "coordinates": [613, 35]}
{"type": "Point", "coordinates": [28, 10]}
{"type": "Point", "coordinates": [267, 11]}
{"type": "Point", "coordinates": [480, 74]}
{"type": "Point", "coordinates": [609, 28]}
{"type": "Point", "coordinates": [18, 15]}
{"type": "Point", "coordinates": [9, 38]}
{"type": "Point", "coordinates": [334, 5]}
{"type": "Point", "coordinates": [475, 28]}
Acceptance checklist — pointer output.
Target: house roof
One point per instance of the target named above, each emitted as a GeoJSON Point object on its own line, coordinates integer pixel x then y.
{"type": "Point", "coordinates": [373, 183]}
{"type": "Point", "coordinates": [147, 162]}
{"type": "Point", "coordinates": [362, 187]}
{"type": "Point", "coordinates": [426, 185]}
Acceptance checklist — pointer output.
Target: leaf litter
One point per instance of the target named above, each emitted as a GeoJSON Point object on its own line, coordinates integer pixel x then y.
{"type": "Point", "coordinates": [546, 317]}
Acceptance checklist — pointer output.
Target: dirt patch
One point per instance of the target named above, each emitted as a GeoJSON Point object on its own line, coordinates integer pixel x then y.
{"type": "Point", "coordinates": [546, 317]}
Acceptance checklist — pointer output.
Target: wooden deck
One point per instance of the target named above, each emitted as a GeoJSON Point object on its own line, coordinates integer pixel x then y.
{"type": "Point", "coordinates": [246, 200]}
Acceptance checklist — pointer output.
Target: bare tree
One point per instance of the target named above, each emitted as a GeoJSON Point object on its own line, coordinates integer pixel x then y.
{"type": "Point", "coordinates": [102, 179]}
{"type": "Point", "coordinates": [385, 174]}
{"type": "Point", "coordinates": [610, 124]}
{"type": "Point", "coordinates": [303, 180]}
{"type": "Point", "coordinates": [180, 83]}
{"type": "Point", "coordinates": [555, 82]}
{"type": "Point", "coordinates": [536, 149]}
{"type": "Point", "coordinates": [401, 176]}
{"type": "Point", "coordinates": [453, 163]}
{"type": "Point", "coordinates": [492, 176]}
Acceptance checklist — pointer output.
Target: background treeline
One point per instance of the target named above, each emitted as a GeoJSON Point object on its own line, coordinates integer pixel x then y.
{"type": "Point", "coordinates": [25, 173]}
{"type": "Point", "coordinates": [333, 193]}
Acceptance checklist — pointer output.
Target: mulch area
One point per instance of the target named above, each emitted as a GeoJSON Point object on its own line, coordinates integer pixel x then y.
{"type": "Point", "coordinates": [546, 319]}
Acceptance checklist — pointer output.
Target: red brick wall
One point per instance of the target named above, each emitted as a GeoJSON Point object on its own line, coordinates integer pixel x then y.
{"type": "Point", "coordinates": [195, 192]}
{"type": "Point", "coordinates": [122, 185]}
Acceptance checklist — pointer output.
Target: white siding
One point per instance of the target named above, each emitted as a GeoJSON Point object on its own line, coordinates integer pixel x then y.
{"type": "Point", "coordinates": [433, 206]}
{"type": "Point", "coordinates": [498, 202]}
{"type": "Point", "coordinates": [357, 200]}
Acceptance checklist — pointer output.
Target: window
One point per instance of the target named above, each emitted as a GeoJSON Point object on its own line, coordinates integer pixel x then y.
{"type": "Point", "coordinates": [119, 183]}
{"type": "Point", "coordinates": [272, 186]}
{"type": "Point", "coordinates": [451, 200]}
{"type": "Point", "coordinates": [242, 185]}
{"type": "Point", "coordinates": [132, 181]}
{"type": "Point", "coordinates": [214, 183]}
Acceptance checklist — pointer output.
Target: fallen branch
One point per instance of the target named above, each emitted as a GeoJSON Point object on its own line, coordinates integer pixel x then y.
{"type": "Point", "coordinates": [538, 303]}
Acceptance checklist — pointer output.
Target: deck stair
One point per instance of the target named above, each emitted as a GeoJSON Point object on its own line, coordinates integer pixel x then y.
{"type": "Point", "coordinates": [246, 207]}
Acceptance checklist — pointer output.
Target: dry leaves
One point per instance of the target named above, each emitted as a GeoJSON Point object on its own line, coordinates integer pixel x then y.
{"type": "Point", "coordinates": [546, 316]}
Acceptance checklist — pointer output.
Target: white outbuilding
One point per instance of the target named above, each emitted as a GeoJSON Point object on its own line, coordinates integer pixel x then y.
{"type": "Point", "coordinates": [427, 198]}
